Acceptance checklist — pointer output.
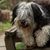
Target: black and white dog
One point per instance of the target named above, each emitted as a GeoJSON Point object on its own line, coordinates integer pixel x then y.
{"type": "Point", "coordinates": [29, 18]}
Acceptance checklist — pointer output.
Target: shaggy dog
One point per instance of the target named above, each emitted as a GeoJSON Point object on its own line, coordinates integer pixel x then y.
{"type": "Point", "coordinates": [29, 18]}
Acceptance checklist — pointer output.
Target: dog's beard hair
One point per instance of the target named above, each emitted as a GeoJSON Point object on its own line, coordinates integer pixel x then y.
{"type": "Point", "coordinates": [42, 36]}
{"type": "Point", "coordinates": [25, 33]}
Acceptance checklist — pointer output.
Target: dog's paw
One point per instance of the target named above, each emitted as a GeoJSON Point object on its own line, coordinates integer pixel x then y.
{"type": "Point", "coordinates": [42, 36]}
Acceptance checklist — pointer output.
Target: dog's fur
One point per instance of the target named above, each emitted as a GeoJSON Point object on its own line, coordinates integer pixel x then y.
{"type": "Point", "coordinates": [43, 36]}
{"type": "Point", "coordinates": [28, 17]}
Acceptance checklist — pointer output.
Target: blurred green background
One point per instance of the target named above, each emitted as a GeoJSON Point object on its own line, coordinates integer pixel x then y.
{"type": "Point", "coordinates": [6, 7]}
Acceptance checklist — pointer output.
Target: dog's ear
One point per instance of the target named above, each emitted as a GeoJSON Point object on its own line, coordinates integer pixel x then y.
{"type": "Point", "coordinates": [39, 14]}
{"type": "Point", "coordinates": [14, 13]}
{"type": "Point", "coordinates": [36, 11]}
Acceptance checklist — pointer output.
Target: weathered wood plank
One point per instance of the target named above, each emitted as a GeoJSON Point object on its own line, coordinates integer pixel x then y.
{"type": "Point", "coordinates": [9, 38]}
{"type": "Point", "coordinates": [2, 48]}
{"type": "Point", "coordinates": [9, 43]}
{"type": "Point", "coordinates": [2, 40]}
{"type": "Point", "coordinates": [2, 43]}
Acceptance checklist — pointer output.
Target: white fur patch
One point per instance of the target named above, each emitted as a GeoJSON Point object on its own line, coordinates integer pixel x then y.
{"type": "Point", "coordinates": [42, 36]}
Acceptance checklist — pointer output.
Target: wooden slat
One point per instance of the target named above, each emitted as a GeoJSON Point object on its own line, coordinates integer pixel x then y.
{"type": "Point", "coordinates": [9, 43]}
{"type": "Point", "coordinates": [11, 29]}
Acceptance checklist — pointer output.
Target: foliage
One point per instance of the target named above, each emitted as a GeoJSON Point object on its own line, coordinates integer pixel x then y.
{"type": "Point", "coordinates": [5, 4]}
{"type": "Point", "coordinates": [4, 26]}
{"type": "Point", "coordinates": [20, 46]}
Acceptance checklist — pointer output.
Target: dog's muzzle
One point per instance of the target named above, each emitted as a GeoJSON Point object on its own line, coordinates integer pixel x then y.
{"type": "Point", "coordinates": [24, 23]}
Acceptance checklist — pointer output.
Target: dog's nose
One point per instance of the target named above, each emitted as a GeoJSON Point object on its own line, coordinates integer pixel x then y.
{"type": "Point", "coordinates": [24, 23]}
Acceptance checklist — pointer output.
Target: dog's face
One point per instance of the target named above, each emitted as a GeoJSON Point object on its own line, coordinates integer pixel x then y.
{"type": "Point", "coordinates": [26, 16]}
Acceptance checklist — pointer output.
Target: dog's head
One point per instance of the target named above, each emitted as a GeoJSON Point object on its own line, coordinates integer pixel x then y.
{"type": "Point", "coordinates": [27, 15]}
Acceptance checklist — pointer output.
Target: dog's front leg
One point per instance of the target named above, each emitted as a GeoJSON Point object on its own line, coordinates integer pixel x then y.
{"type": "Point", "coordinates": [42, 36]}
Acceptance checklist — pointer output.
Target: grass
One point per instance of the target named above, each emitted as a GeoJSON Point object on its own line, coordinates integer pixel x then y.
{"type": "Point", "coordinates": [20, 46]}
{"type": "Point", "coordinates": [4, 26]}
